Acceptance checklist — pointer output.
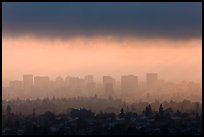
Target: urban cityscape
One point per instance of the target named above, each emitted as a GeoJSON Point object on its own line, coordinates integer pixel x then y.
{"type": "Point", "coordinates": [80, 106]}
{"type": "Point", "coordinates": [128, 89]}
{"type": "Point", "coordinates": [101, 68]}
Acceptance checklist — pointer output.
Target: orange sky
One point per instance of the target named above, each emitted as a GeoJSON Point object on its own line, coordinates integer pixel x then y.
{"type": "Point", "coordinates": [173, 60]}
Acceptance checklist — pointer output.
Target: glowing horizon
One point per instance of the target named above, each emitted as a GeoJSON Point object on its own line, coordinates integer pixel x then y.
{"type": "Point", "coordinates": [104, 55]}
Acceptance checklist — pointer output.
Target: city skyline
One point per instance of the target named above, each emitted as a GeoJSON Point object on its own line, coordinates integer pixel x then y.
{"type": "Point", "coordinates": [92, 77]}
{"type": "Point", "coordinates": [128, 87]}
{"type": "Point", "coordinates": [101, 68]}
{"type": "Point", "coordinates": [97, 78]}
{"type": "Point", "coordinates": [79, 39]}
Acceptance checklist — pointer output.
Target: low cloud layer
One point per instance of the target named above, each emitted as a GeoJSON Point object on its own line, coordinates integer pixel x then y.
{"type": "Point", "coordinates": [64, 20]}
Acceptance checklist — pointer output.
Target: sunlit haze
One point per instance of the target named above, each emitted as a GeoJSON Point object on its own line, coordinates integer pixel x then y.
{"type": "Point", "coordinates": [102, 55]}
{"type": "Point", "coordinates": [101, 68]}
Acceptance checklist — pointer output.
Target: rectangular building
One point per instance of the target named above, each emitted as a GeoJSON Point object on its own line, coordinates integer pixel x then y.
{"type": "Point", "coordinates": [41, 81]}
{"type": "Point", "coordinates": [129, 83]}
{"type": "Point", "coordinates": [27, 81]}
{"type": "Point", "coordinates": [108, 84]}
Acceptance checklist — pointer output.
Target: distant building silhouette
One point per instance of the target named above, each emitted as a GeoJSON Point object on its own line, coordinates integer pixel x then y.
{"type": "Point", "coordinates": [59, 82]}
{"type": "Point", "coordinates": [41, 81]}
{"type": "Point", "coordinates": [108, 85]}
{"type": "Point", "coordinates": [67, 81]}
{"type": "Point", "coordinates": [27, 85]}
{"type": "Point", "coordinates": [27, 81]}
{"type": "Point", "coordinates": [129, 84]}
{"type": "Point", "coordinates": [90, 84]}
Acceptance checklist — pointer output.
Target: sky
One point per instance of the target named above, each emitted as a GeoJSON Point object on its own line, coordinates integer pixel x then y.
{"type": "Point", "coordinates": [102, 39]}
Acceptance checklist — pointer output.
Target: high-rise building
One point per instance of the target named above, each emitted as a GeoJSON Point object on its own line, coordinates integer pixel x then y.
{"type": "Point", "coordinates": [27, 81]}
{"type": "Point", "coordinates": [152, 79]}
{"type": "Point", "coordinates": [129, 84]}
{"type": "Point", "coordinates": [108, 84]}
{"type": "Point", "coordinates": [67, 81]}
{"type": "Point", "coordinates": [90, 84]}
{"type": "Point", "coordinates": [41, 81]}
{"type": "Point", "coordinates": [59, 82]}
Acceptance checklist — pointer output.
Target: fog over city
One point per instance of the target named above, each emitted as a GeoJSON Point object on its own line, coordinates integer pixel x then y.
{"type": "Point", "coordinates": [101, 68]}
{"type": "Point", "coordinates": [128, 89]}
{"type": "Point", "coordinates": [174, 60]}
{"type": "Point", "coordinates": [81, 39]}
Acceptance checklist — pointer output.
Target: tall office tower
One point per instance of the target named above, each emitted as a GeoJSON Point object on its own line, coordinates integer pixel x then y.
{"type": "Point", "coordinates": [27, 85]}
{"type": "Point", "coordinates": [90, 84]}
{"type": "Point", "coordinates": [152, 79]}
{"type": "Point", "coordinates": [108, 85]}
{"type": "Point", "coordinates": [129, 84]}
{"type": "Point", "coordinates": [41, 81]}
{"type": "Point", "coordinates": [27, 81]}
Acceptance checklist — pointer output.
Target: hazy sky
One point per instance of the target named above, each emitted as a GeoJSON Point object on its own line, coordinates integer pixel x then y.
{"type": "Point", "coordinates": [102, 39]}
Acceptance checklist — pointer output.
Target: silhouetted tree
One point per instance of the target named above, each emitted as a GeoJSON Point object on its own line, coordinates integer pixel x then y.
{"type": "Point", "coordinates": [8, 110]}
{"type": "Point", "coordinates": [148, 110]}
{"type": "Point", "coordinates": [122, 114]}
{"type": "Point", "coordinates": [161, 110]}
{"type": "Point", "coordinates": [34, 113]}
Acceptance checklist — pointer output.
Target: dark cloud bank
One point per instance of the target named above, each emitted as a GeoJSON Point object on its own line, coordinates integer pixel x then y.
{"type": "Point", "coordinates": [151, 20]}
